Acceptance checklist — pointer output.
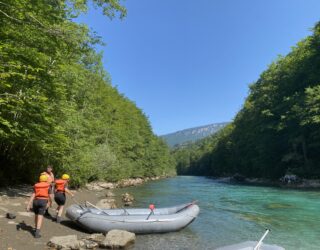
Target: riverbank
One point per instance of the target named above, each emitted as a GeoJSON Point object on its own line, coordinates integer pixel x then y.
{"type": "Point", "coordinates": [101, 185]}
{"type": "Point", "coordinates": [17, 233]}
{"type": "Point", "coordinates": [303, 184]}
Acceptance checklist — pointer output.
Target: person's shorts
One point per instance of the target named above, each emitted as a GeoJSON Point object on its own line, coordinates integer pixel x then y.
{"type": "Point", "coordinates": [39, 206]}
{"type": "Point", "coordinates": [60, 198]}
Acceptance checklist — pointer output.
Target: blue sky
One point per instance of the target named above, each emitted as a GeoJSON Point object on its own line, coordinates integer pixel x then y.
{"type": "Point", "coordinates": [189, 63]}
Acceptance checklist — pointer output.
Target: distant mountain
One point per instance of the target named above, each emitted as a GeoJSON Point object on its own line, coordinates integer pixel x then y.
{"type": "Point", "coordinates": [192, 134]}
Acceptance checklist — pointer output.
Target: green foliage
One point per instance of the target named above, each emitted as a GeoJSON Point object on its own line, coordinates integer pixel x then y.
{"type": "Point", "coordinates": [57, 105]}
{"type": "Point", "coordinates": [277, 130]}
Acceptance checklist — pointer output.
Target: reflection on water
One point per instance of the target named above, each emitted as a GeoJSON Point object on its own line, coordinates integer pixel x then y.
{"type": "Point", "coordinates": [231, 214]}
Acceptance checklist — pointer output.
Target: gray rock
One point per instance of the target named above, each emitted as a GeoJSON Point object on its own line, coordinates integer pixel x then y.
{"type": "Point", "coordinates": [107, 203]}
{"type": "Point", "coordinates": [10, 216]}
{"type": "Point", "coordinates": [130, 182]}
{"type": "Point", "coordinates": [90, 244]}
{"type": "Point", "coordinates": [96, 237]}
{"type": "Point", "coordinates": [66, 242]}
{"type": "Point", "coordinates": [94, 187]}
{"type": "Point", "coordinates": [116, 239]}
{"type": "Point", "coordinates": [110, 194]}
{"type": "Point", "coordinates": [99, 185]}
{"type": "Point", "coordinates": [126, 197]}
{"type": "Point", "coordinates": [106, 185]}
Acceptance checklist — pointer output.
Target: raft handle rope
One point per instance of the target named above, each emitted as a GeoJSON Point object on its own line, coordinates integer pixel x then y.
{"type": "Point", "coordinates": [257, 247]}
{"type": "Point", "coordinates": [78, 203]}
{"type": "Point", "coordinates": [188, 205]}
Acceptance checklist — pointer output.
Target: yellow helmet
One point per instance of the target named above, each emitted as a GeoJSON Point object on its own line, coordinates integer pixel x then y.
{"type": "Point", "coordinates": [43, 178]}
{"type": "Point", "coordinates": [65, 177]}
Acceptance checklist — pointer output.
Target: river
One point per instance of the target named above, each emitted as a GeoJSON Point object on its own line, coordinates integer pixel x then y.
{"type": "Point", "coordinates": [232, 213]}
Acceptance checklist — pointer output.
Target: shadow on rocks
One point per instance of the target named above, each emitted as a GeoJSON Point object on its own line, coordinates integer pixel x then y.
{"type": "Point", "coordinates": [70, 224]}
{"type": "Point", "coordinates": [23, 226]}
{"type": "Point", "coordinates": [17, 191]}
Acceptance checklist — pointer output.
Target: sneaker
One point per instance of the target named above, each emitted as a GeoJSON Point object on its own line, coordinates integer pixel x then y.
{"type": "Point", "coordinates": [59, 219]}
{"type": "Point", "coordinates": [37, 233]}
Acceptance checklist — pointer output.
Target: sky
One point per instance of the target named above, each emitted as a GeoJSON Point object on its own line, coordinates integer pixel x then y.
{"type": "Point", "coordinates": [189, 63]}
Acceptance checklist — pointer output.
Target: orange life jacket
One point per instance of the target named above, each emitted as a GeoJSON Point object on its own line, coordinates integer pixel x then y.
{"type": "Point", "coordinates": [41, 190]}
{"type": "Point", "coordinates": [60, 185]}
{"type": "Point", "coordinates": [50, 177]}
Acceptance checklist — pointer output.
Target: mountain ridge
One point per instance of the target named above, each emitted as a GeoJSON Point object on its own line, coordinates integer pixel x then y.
{"type": "Point", "coordinates": [192, 134]}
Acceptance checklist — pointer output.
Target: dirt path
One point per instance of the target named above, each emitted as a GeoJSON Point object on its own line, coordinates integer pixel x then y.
{"type": "Point", "coordinates": [16, 234]}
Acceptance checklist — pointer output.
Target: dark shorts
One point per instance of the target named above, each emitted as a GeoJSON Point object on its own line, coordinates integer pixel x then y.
{"type": "Point", "coordinates": [39, 206]}
{"type": "Point", "coordinates": [60, 198]}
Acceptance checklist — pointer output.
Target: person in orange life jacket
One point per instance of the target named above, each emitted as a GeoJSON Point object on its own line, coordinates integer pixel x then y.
{"type": "Point", "coordinates": [39, 201]}
{"type": "Point", "coordinates": [50, 176]}
{"type": "Point", "coordinates": [61, 187]}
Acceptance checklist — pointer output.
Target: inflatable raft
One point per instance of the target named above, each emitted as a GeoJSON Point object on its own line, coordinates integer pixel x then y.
{"type": "Point", "coordinates": [250, 245]}
{"type": "Point", "coordinates": [253, 245]}
{"type": "Point", "coordinates": [136, 220]}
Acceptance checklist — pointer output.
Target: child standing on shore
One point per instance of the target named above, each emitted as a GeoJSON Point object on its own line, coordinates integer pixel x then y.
{"type": "Point", "coordinates": [61, 188]}
{"type": "Point", "coordinates": [39, 201]}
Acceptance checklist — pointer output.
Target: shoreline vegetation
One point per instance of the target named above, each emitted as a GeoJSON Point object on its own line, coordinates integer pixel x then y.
{"type": "Point", "coordinates": [302, 184]}
{"type": "Point", "coordinates": [58, 104]}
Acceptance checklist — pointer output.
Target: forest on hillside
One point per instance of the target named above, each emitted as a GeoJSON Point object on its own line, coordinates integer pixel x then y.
{"type": "Point", "coordinates": [57, 104]}
{"type": "Point", "coordinates": [277, 131]}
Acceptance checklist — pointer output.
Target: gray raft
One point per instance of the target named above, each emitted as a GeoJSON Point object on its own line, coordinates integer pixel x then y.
{"type": "Point", "coordinates": [250, 245]}
{"type": "Point", "coordinates": [253, 245]}
{"type": "Point", "coordinates": [136, 220]}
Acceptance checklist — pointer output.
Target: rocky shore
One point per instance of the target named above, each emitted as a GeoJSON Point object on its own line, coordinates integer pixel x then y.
{"type": "Point", "coordinates": [101, 185]}
{"type": "Point", "coordinates": [300, 183]}
{"type": "Point", "coordinates": [17, 233]}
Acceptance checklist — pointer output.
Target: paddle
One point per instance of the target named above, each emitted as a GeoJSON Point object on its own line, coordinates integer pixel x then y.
{"type": "Point", "coordinates": [257, 247]}
{"type": "Point", "coordinates": [152, 207]}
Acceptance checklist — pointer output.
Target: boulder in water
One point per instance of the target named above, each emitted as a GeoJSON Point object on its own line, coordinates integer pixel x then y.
{"type": "Point", "coordinates": [127, 199]}
{"type": "Point", "coordinates": [107, 204]}
{"type": "Point", "coordinates": [110, 194]}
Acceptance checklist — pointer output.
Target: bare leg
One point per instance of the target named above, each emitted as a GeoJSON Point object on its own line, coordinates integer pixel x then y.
{"type": "Point", "coordinates": [39, 221]}
{"type": "Point", "coordinates": [52, 197]}
{"type": "Point", "coordinates": [49, 205]}
{"type": "Point", "coordinates": [60, 210]}
{"type": "Point", "coordinates": [35, 221]}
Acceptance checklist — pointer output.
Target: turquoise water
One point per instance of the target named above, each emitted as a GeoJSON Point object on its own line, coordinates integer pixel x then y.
{"type": "Point", "coordinates": [233, 213]}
